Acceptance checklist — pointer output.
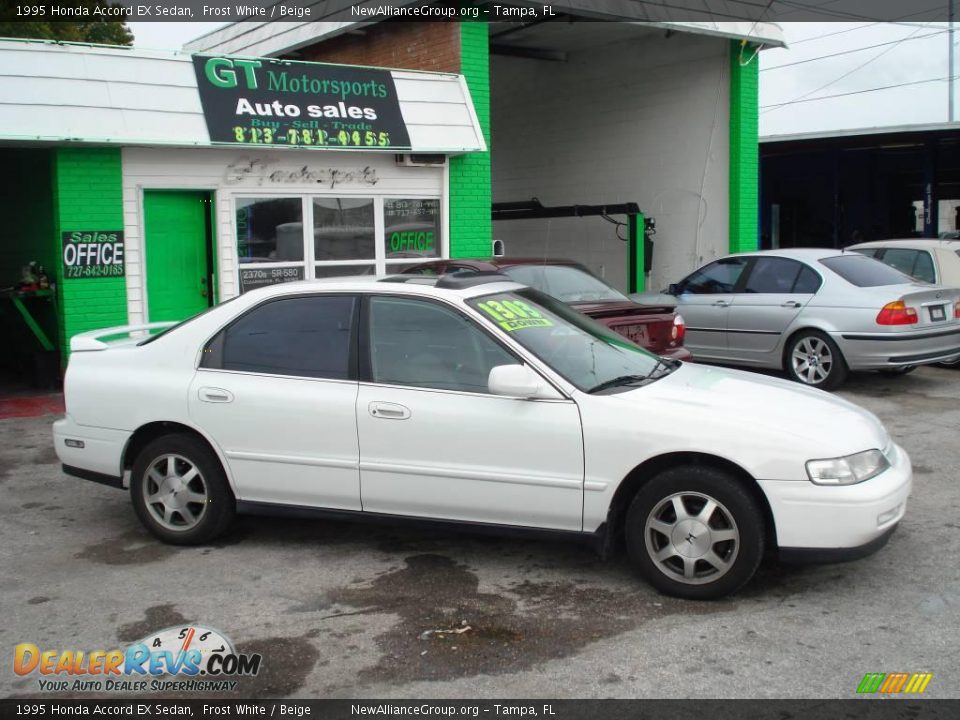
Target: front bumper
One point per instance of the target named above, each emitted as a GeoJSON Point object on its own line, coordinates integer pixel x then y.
{"type": "Point", "coordinates": [876, 351]}
{"type": "Point", "coordinates": [839, 520]}
{"type": "Point", "coordinates": [101, 454]}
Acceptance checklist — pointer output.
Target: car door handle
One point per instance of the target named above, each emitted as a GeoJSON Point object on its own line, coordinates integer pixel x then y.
{"type": "Point", "coordinates": [388, 411]}
{"type": "Point", "coordinates": [215, 395]}
{"type": "Point", "coordinates": [791, 304]}
{"type": "Point", "coordinates": [722, 303]}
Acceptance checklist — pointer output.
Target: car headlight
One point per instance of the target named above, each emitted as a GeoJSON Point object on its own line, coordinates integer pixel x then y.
{"type": "Point", "coordinates": [847, 470]}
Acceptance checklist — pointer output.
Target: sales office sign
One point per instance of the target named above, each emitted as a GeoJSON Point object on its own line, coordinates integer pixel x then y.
{"type": "Point", "coordinates": [93, 254]}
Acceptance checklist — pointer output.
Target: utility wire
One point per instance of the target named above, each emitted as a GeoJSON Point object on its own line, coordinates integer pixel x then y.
{"type": "Point", "coordinates": [853, 16]}
{"type": "Point", "coordinates": [854, 50]}
{"type": "Point", "coordinates": [857, 92]}
{"type": "Point", "coordinates": [846, 74]}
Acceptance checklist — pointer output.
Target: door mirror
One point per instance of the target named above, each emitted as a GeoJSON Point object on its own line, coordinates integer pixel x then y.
{"type": "Point", "coordinates": [519, 381]}
{"type": "Point", "coordinates": [674, 289]}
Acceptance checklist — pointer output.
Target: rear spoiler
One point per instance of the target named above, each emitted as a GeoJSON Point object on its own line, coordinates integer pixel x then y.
{"type": "Point", "coordinates": [91, 340]}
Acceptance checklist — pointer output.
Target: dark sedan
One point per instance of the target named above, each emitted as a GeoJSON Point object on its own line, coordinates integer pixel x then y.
{"type": "Point", "coordinates": [656, 327]}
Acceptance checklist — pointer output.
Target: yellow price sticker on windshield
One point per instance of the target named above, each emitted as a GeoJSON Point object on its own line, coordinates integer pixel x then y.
{"type": "Point", "coordinates": [514, 314]}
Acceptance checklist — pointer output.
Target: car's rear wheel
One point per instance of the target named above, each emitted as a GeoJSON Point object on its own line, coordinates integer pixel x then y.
{"type": "Point", "coordinates": [695, 532]}
{"type": "Point", "coordinates": [180, 492]}
{"type": "Point", "coordinates": [813, 359]}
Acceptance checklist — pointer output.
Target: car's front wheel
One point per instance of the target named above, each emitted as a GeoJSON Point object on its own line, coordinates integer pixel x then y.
{"type": "Point", "coordinates": [695, 532]}
{"type": "Point", "coordinates": [812, 358]}
{"type": "Point", "coordinates": [180, 492]}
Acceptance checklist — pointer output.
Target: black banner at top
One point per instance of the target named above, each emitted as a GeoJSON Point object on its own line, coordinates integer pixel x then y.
{"type": "Point", "coordinates": [299, 104]}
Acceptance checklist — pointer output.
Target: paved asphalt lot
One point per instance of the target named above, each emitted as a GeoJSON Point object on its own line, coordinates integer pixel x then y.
{"type": "Point", "coordinates": [337, 610]}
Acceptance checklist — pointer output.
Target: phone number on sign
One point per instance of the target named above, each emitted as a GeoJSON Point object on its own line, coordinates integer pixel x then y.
{"type": "Point", "coordinates": [267, 136]}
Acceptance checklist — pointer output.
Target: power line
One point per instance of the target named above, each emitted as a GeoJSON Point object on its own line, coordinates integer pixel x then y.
{"type": "Point", "coordinates": [854, 50]}
{"type": "Point", "coordinates": [856, 92]}
{"type": "Point", "coordinates": [853, 16]}
{"type": "Point", "coordinates": [849, 72]}
{"type": "Point", "coordinates": [831, 34]}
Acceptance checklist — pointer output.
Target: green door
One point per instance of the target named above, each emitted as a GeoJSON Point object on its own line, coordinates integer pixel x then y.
{"type": "Point", "coordinates": [177, 230]}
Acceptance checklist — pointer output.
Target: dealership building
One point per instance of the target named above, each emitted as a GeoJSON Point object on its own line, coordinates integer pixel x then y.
{"type": "Point", "coordinates": [150, 185]}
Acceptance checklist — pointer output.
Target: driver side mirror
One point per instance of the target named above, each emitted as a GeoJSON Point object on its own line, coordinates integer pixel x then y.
{"type": "Point", "coordinates": [675, 289]}
{"type": "Point", "coordinates": [519, 381]}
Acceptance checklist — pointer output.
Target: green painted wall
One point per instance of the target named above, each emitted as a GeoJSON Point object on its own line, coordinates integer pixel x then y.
{"type": "Point", "coordinates": [470, 184]}
{"type": "Point", "coordinates": [744, 147]}
{"type": "Point", "coordinates": [88, 196]}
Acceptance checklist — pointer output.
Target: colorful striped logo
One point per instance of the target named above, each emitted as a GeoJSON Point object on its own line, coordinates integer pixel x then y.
{"type": "Point", "coordinates": [898, 682]}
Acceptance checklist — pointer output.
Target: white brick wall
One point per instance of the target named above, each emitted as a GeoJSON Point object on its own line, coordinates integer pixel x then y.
{"type": "Point", "coordinates": [646, 121]}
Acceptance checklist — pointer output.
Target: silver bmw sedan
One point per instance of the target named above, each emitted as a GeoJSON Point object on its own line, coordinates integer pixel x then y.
{"type": "Point", "coordinates": [817, 314]}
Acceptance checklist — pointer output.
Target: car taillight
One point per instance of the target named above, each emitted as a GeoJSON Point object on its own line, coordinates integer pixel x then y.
{"type": "Point", "coordinates": [679, 329]}
{"type": "Point", "coordinates": [897, 313]}
{"type": "Point", "coordinates": [956, 309]}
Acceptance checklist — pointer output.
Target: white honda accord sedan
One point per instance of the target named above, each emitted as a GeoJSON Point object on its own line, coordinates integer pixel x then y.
{"type": "Point", "coordinates": [476, 401]}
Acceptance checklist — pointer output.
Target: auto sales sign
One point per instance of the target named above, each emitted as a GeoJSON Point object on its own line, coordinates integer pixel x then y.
{"type": "Point", "coordinates": [299, 104]}
{"type": "Point", "coordinates": [93, 254]}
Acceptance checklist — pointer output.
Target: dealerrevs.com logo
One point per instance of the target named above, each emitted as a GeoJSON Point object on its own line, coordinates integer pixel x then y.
{"type": "Point", "coordinates": [176, 659]}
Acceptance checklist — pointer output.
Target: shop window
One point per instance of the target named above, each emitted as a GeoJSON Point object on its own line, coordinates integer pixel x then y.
{"type": "Point", "coordinates": [343, 229]}
{"type": "Point", "coordinates": [301, 337]}
{"type": "Point", "coordinates": [328, 271]}
{"type": "Point", "coordinates": [419, 343]}
{"type": "Point", "coordinates": [411, 228]}
{"type": "Point", "coordinates": [269, 230]}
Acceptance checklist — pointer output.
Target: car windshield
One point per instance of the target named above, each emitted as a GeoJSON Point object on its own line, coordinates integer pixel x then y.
{"type": "Point", "coordinates": [864, 271]}
{"type": "Point", "coordinates": [568, 283]}
{"type": "Point", "coordinates": [583, 351]}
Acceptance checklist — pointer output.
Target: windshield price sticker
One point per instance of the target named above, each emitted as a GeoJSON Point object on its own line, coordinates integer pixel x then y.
{"type": "Point", "coordinates": [514, 315]}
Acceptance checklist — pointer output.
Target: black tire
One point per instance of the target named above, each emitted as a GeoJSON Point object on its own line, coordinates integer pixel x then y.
{"type": "Point", "coordinates": [194, 522]}
{"type": "Point", "coordinates": [898, 371]}
{"type": "Point", "coordinates": [822, 353]}
{"type": "Point", "coordinates": [954, 364]}
{"type": "Point", "coordinates": [736, 510]}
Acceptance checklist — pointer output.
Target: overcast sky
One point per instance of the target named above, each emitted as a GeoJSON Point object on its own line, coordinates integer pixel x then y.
{"type": "Point", "coordinates": [907, 53]}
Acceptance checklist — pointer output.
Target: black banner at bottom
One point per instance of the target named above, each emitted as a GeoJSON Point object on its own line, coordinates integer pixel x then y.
{"type": "Point", "coordinates": [854, 709]}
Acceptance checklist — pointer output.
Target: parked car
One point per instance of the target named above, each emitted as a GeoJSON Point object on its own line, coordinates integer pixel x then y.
{"type": "Point", "coordinates": [475, 401]}
{"type": "Point", "coordinates": [930, 261]}
{"type": "Point", "coordinates": [654, 325]}
{"type": "Point", "coordinates": [816, 313]}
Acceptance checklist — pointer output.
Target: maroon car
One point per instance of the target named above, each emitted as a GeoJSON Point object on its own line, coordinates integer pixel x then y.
{"type": "Point", "coordinates": [658, 328]}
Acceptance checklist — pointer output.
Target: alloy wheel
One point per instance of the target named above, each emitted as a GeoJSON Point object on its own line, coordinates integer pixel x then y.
{"type": "Point", "coordinates": [692, 538]}
{"type": "Point", "coordinates": [812, 360]}
{"type": "Point", "coordinates": [175, 492]}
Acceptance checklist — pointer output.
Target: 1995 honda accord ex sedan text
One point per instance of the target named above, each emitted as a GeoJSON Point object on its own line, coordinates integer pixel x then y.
{"type": "Point", "coordinates": [479, 401]}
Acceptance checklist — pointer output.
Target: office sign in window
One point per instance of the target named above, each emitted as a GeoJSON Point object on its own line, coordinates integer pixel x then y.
{"type": "Point", "coordinates": [412, 228]}
{"type": "Point", "coordinates": [285, 103]}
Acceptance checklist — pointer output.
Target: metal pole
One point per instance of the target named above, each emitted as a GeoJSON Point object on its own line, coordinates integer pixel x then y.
{"type": "Point", "coordinates": [950, 73]}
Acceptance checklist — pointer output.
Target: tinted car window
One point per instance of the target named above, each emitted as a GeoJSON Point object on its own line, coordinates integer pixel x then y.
{"type": "Point", "coordinates": [923, 268]}
{"type": "Point", "coordinates": [419, 343]}
{"type": "Point", "coordinates": [773, 275]}
{"type": "Point", "coordinates": [717, 277]}
{"type": "Point", "coordinates": [807, 282]}
{"type": "Point", "coordinates": [567, 283]}
{"type": "Point", "coordinates": [303, 337]}
{"type": "Point", "coordinates": [902, 259]}
{"type": "Point", "coordinates": [863, 271]}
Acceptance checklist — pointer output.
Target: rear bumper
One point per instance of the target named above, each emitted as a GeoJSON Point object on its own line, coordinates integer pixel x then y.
{"type": "Point", "coordinates": [876, 351]}
{"type": "Point", "coordinates": [93, 451]}
{"type": "Point", "coordinates": [680, 353]}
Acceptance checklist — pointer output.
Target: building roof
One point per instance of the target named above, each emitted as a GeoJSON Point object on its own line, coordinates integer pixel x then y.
{"type": "Point", "coordinates": [279, 38]}
{"type": "Point", "coordinates": [56, 92]}
{"type": "Point", "coordinates": [858, 132]}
